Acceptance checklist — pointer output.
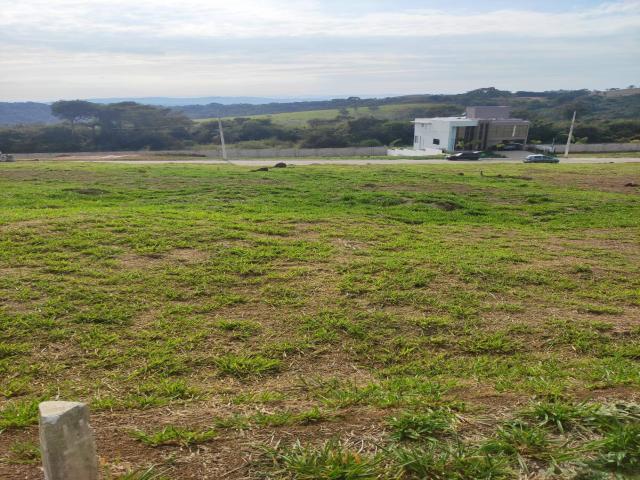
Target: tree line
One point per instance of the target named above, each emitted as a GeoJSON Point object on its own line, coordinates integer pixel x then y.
{"type": "Point", "coordinates": [87, 126]}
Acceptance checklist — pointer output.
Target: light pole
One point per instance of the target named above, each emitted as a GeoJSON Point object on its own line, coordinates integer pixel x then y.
{"type": "Point", "coordinates": [224, 148]}
{"type": "Point", "coordinates": [573, 123]}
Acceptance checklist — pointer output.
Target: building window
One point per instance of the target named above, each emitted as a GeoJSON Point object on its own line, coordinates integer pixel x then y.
{"type": "Point", "coordinates": [436, 141]}
{"type": "Point", "coordinates": [415, 140]}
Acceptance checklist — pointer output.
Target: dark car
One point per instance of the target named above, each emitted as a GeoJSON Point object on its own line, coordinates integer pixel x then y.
{"type": "Point", "coordinates": [511, 147]}
{"type": "Point", "coordinates": [465, 156]}
{"type": "Point", "coordinates": [539, 158]}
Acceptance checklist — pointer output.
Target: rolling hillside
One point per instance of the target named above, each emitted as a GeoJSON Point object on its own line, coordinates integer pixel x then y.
{"type": "Point", "coordinates": [385, 112]}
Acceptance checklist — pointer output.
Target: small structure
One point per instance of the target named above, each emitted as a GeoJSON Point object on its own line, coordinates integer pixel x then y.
{"type": "Point", "coordinates": [482, 128]}
{"type": "Point", "coordinates": [66, 442]}
{"type": "Point", "coordinates": [6, 157]}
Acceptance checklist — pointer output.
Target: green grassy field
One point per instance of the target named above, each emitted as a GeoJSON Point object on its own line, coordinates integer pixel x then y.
{"type": "Point", "coordinates": [300, 119]}
{"type": "Point", "coordinates": [386, 322]}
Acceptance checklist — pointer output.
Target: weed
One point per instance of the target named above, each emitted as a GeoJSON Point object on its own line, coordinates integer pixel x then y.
{"type": "Point", "coordinates": [582, 268]}
{"type": "Point", "coordinates": [24, 453]}
{"type": "Point", "coordinates": [258, 397]}
{"type": "Point", "coordinates": [496, 343]}
{"type": "Point", "coordinates": [451, 461]}
{"type": "Point", "coordinates": [600, 310]}
{"type": "Point", "coordinates": [280, 419]}
{"type": "Point", "coordinates": [12, 349]}
{"type": "Point", "coordinates": [242, 366]}
{"type": "Point", "coordinates": [331, 461]}
{"type": "Point", "coordinates": [519, 439]}
{"type": "Point", "coordinates": [433, 324]}
{"type": "Point", "coordinates": [417, 426]}
{"type": "Point", "coordinates": [170, 390]}
{"type": "Point", "coordinates": [619, 450]}
{"type": "Point", "coordinates": [240, 328]}
{"type": "Point", "coordinates": [15, 388]}
{"type": "Point", "coordinates": [560, 415]}
{"type": "Point", "coordinates": [19, 414]}
{"type": "Point", "coordinates": [106, 314]}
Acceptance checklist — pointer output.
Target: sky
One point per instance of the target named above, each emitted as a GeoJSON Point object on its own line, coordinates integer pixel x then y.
{"type": "Point", "coordinates": [66, 49]}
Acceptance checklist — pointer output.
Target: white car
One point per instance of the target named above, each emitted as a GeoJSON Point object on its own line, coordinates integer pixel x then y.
{"type": "Point", "coordinates": [538, 158]}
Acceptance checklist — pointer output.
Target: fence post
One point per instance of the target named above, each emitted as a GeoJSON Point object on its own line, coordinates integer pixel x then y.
{"type": "Point", "coordinates": [66, 442]}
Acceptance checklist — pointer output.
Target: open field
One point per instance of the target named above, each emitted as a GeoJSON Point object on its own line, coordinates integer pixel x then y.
{"type": "Point", "coordinates": [387, 322]}
{"type": "Point", "coordinates": [384, 112]}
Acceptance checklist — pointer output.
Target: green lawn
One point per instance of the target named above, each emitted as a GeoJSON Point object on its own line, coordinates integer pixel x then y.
{"type": "Point", "coordinates": [334, 322]}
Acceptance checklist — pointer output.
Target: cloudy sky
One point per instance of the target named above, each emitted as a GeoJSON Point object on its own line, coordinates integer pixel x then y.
{"type": "Point", "coordinates": [51, 49]}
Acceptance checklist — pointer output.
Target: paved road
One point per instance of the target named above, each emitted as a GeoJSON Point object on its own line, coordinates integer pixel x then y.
{"type": "Point", "coordinates": [126, 158]}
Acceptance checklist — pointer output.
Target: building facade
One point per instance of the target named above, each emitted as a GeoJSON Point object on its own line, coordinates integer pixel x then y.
{"type": "Point", "coordinates": [482, 128]}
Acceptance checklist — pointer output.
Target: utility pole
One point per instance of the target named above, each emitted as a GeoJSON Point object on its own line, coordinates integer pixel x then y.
{"type": "Point", "coordinates": [573, 123]}
{"type": "Point", "coordinates": [224, 148]}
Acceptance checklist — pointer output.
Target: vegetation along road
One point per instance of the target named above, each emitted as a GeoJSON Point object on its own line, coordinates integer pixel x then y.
{"type": "Point", "coordinates": [388, 322]}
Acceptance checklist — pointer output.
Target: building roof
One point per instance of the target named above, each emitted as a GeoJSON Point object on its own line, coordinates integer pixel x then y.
{"type": "Point", "coordinates": [494, 114]}
{"type": "Point", "coordinates": [470, 121]}
{"type": "Point", "coordinates": [464, 120]}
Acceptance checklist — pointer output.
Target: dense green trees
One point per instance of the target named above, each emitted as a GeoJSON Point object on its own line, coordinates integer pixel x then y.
{"type": "Point", "coordinates": [74, 110]}
{"type": "Point", "coordinates": [89, 126]}
{"type": "Point", "coordinates": [587, 131]}
{"type": "Point", "coordinates": [130, 126]}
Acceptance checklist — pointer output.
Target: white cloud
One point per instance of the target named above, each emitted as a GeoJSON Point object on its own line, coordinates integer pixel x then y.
{"type": "Point", "coordinates": [80, 48]}
{"type": "Point", "coordinates": [288, 18]}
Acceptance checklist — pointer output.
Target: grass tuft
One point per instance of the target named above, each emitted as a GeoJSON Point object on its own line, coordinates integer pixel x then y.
{"type": "Point", "coordinates": [242, 366]}
{"type": "Point", "coordinates": [450, 461]}
{"type": "Point", "coordinates": [421, 426]}
{"type": "Point", "coordinates": [331, 461]}
{"type": "Point", "coordinates": [19, 414]}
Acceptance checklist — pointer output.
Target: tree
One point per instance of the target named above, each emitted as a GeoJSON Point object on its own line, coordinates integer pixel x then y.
{"type": "Point", "coordinates": [74, 110]}
{"type": "Point", "coordinates": [343, 113]}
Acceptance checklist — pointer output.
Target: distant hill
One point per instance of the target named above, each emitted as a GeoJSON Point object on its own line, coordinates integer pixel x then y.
{"type": "Point", "coordinates": [551, 105]}
{"type": "Point", "coordinates": [623, 92]}
{"type": "Point", "coordinates": [181, 101]}
{"type": "Point", "coordinates": [25, 113]}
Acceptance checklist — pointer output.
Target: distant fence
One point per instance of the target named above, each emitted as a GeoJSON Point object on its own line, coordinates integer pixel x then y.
{"type": "Point", "coordinates": [592, 147]}
{"type": "Point", "coordinates": [234, 153]}
{"type": "Point", "coordinates": [298, 152]}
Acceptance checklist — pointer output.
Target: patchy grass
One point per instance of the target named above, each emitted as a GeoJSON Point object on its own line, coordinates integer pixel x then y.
{"type": "Point", "coordinates": [19, 414]}
{"type": "Point", "coordinates": [172, 435]}
{"type": "Point", "coordinates": [341, 318]}
{"type": "Point", "coordinates": [24, 452]}
{"type": "Point", "coordinates": [419, 426]}
{"type": "Point", "coordinates": [331, 460]}
{"type": "Point", "coordinates": [243, 366]}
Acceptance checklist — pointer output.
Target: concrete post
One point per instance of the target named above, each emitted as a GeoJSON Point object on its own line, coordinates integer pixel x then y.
{"type": "Point", "coordinates": [66, 441]}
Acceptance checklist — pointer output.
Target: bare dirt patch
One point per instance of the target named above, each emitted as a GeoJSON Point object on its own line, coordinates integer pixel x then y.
{"type": "Point", "coordinates": [611, 182]}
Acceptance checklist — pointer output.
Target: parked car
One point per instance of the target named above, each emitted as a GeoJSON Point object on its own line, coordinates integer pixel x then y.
{"type": "Point", "coordinates": [465, 156]}
{"type": "Point", "coordinates": [511, 147]}
{"type": "Point", "coordinates": [539, 158]}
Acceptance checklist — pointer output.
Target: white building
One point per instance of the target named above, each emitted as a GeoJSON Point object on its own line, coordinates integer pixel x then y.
{"type": "Point", "coordinates": [481, 128]}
